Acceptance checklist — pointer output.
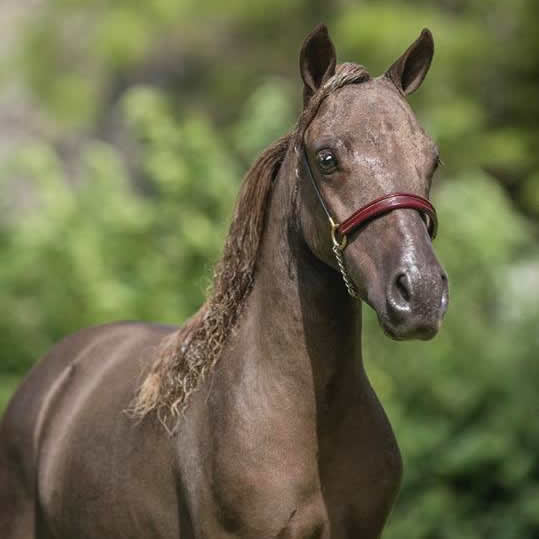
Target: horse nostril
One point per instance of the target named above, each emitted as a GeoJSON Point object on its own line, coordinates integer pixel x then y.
{"type": "Point", "coordinates": [402, 283]}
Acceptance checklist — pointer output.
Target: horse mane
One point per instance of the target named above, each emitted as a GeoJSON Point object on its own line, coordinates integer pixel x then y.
{"type": "Point", "coordinates": [186, 356]}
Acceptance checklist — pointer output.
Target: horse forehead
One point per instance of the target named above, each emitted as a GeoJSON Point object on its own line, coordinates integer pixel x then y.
{"type": "Point", "coordinates": [367, 110]}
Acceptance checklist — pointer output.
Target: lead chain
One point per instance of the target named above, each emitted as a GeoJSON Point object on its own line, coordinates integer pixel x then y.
{"type": "Point", "coordinates": [346, 278]}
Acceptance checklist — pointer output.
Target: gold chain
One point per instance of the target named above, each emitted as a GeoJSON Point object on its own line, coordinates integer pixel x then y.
{"type": "Point", "coordinates": [346, 278]}
{"type": "Point", "coordinates": [338, 248]}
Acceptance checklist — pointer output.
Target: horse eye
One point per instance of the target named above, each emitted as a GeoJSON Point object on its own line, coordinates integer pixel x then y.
{"type": "Point", "coordinates": [327, 162]}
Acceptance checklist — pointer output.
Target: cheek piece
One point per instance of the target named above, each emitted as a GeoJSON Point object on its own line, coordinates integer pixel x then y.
{"type": "Point", "coordinates": [375, 208]}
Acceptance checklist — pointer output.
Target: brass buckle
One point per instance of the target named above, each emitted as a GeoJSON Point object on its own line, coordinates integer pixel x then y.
{"type": "Point", "coordinates": [336, 243]}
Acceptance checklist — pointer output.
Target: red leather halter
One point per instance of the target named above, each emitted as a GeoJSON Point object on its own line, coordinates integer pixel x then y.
{"type": "Point", "coordinates": [387, 203]}
{"type": "Point", "coordinates": [375, 208]}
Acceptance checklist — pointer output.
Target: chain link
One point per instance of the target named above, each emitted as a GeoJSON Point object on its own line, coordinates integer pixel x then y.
{"type": "Point", "coordinates": [346, 278]}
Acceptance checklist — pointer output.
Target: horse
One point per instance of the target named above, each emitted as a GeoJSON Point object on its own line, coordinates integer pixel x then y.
{"type": "Point", "coordinates": [256, 418]}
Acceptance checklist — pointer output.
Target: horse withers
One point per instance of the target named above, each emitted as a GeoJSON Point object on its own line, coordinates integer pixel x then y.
{"type": "Point", "coordinates": [255, 419]}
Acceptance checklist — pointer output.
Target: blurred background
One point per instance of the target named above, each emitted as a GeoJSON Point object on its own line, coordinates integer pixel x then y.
{"type": "Point", "coordinates": [125, 128]}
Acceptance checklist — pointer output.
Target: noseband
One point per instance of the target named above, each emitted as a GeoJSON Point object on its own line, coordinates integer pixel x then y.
{"type": "Point", "coordinates": [375, 208]}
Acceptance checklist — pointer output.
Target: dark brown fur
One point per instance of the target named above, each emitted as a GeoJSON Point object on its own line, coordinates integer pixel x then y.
{"type": "Point", "coordinates": [273, 429]}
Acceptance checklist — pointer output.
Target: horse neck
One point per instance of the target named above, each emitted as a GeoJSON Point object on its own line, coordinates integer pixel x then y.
{"type": "Point", "coordinates": [303, 312]}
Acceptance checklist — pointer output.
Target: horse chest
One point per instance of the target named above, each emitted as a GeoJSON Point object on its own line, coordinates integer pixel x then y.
{"type": "Point", "coordinates": [258, 464]}
{"type": "Point", "coordinates": [268, 464]}
{"type": "Point", "coordinates": [360, 466]}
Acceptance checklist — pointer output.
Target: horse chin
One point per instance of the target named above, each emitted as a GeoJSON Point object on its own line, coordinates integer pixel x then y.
{"type": "Point", "coordinates": [405, 332]}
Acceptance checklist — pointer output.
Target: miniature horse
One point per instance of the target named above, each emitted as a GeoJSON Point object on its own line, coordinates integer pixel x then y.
{"type": "Point", "coordinates": [256, 418]}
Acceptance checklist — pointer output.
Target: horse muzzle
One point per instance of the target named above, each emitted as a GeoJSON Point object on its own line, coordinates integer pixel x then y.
{"type": "Point", "coordinates": [416, 302]}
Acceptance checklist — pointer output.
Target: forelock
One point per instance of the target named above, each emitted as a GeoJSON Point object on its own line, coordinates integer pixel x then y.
{"type": "Point", "coordinates": [347, 73]}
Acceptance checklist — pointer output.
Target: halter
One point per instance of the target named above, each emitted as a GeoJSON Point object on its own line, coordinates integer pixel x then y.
{"type": "Point", "coordinates": [375, 208]}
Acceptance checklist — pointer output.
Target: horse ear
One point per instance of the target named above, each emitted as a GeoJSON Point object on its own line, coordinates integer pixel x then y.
{"type": "Point", "coordinates": [408, 72]}
{"type": "Point", "coordinates": [317, 61]}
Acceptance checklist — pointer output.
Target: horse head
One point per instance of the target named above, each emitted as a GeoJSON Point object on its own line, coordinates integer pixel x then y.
{"type": "Point", "coordinates": [366, 167]}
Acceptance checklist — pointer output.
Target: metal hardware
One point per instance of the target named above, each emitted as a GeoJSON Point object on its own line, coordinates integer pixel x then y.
{"type": "Point", "coordinates": [338, 252]}
{"type": "Point", "coordinates": [334, 231]}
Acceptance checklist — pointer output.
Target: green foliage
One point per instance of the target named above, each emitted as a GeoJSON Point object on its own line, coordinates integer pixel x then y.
{"type": "Point", "coordinates": [168, 102]}
{"type": "Point", "coordinates": [98, 250]}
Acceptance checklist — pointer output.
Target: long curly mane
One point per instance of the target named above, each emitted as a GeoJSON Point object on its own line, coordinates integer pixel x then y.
{"type": "Point", "coordinates": [187, 356]}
